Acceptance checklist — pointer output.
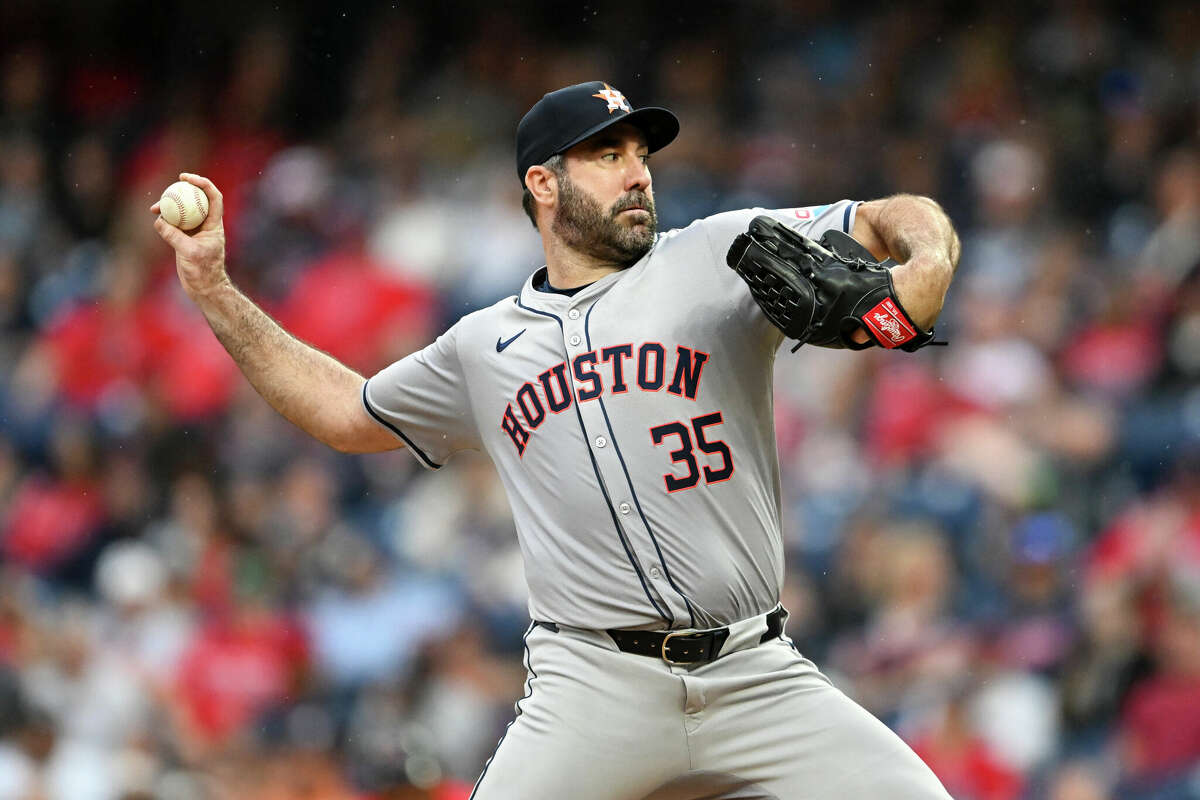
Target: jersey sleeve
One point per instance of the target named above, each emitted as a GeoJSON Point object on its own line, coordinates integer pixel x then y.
{"type": "Point", "coordinates": [423, 399]}
{"type": "Point", "coordinates": [811, 221]}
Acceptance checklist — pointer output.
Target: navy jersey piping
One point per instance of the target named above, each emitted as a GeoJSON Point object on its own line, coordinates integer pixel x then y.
{"type": "Point", "coordinates": [411, 446]}
{"type": "Point", "coordinates": [636, 502]}
{"type": "Point", "coordinates": [846, 218]}
{"type": "Point", "coordinates": [528, 694]}
{"type": "Point", "coordinates": [667, 616]}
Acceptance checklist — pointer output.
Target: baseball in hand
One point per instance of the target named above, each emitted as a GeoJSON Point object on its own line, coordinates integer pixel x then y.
{"type": "Point", "coordinates": [183, 205]}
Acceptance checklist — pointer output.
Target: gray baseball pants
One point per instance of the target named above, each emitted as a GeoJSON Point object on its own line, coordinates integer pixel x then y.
{"type": "Point", "coordinates": [758, 722]}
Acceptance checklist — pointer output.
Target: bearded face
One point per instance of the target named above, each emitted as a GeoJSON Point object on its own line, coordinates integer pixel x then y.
{"type": "Point", "coordinates": [606, 234]}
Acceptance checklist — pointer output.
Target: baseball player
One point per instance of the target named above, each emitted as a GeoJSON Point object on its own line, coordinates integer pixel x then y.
{"type": "Point", "coordinates": [625, 397]}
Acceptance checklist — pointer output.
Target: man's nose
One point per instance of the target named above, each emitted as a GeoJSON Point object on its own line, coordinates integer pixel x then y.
{"type": "Point", "coordinates": [637, 176]}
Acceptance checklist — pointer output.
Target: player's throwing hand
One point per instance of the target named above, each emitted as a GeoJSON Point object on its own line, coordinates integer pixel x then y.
{"type": "Point", "coordinates": [200, 253]}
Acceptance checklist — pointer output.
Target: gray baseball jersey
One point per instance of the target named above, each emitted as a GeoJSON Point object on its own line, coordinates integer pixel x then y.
{"type": "Point", "coordinates": [632, 426]}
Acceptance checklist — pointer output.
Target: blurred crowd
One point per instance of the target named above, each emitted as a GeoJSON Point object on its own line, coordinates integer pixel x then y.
{"type": "Point", "coordinates": [993, 546]}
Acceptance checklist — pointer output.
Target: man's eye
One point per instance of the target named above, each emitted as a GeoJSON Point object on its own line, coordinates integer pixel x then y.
{"type": "Point", "coordinates": [645, 159]}
{"type": "Point", "coordinates": [610, 156]}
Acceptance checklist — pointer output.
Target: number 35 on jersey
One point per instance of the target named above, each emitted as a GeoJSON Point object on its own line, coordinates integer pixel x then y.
{"type": "Point", "coordinates": [615, 370]}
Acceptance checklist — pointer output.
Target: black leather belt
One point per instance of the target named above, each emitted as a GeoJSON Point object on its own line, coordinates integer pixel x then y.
{"type": "Point", "coordinates": [679, 647]}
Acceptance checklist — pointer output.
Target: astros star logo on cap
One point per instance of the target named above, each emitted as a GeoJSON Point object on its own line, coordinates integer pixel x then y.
{"type": "Point", "coordinates": [614, 99]}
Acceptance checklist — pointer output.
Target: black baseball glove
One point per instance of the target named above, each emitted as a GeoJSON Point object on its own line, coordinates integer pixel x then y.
{"type": "Point", "coordinates": [821, 293]}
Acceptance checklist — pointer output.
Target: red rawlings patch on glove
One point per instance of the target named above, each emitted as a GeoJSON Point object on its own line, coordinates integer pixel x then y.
{"type": "Point", "coordinates": [890, 325]}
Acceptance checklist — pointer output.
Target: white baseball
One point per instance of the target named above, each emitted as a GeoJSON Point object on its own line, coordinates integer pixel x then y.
{"type": "Point", "coordinates": [183, 205]}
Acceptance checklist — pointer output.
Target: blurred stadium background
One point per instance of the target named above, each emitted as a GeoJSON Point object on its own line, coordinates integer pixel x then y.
{"type": "Point", "coordinates": [994, 546]}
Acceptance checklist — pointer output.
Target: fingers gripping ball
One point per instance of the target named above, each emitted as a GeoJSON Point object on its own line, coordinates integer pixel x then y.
{"type": "Point", "coordinates": [183, 205]}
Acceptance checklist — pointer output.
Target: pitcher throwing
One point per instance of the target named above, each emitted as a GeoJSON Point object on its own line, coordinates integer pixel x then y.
{"type": "Point", "coordinates": [625, 397]}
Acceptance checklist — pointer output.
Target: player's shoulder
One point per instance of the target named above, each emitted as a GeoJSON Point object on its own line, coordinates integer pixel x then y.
{"type": "Point", "coordinates": [702, 230]}
{"type": "Point", "coordinates": [497, 309]}
{"type": "Point", "coordinates": [838, 214]}
{"type": "Point", "coordinates": [708, 238]}
{"type": "Point", "coordinates": [470, 334]}
{"type": "Point", "coordinates": [485, 317]}
{"type": "Point", "coordinates": [721, 228]}
{"type": "Point", "coordinates": [701, 226]}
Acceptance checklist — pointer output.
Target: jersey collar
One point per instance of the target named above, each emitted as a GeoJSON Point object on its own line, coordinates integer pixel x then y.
{"type": "Point", "coordinates": [534, 298]}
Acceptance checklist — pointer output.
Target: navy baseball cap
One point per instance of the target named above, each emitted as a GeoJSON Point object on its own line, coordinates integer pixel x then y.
{"type": "Point", "coordinates": [564, 118]}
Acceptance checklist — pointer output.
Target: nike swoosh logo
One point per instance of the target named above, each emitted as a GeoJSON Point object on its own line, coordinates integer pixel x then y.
{"type": "Point", "coordinates": [500, 345]}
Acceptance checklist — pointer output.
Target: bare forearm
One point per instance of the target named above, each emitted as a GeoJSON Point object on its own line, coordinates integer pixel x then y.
{"type": "Point", "coordinates": [920, 237]}
{"type": "Point", "coordinates": [312, 389]}
{"type": "Point", "coordinates": [916, 227]}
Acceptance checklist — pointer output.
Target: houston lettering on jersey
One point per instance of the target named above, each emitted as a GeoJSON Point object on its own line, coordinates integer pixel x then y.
{"type": "Point", "coordinates": [649, 366]}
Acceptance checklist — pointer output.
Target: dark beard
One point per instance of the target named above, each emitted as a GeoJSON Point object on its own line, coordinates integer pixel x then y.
{"type": "Point", "coordinates": [584, 226]}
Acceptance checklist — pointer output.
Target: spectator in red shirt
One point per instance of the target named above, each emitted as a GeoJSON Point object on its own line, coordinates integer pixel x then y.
{"type": "Point", "coordinates": [348, 305]}
{"type": "Point", "coordinates": [237, 668]}
{"type": "Point", "coordinates": [54, 517]}
{"type": "Point", "coordinates": [1160, 728]}
{"type": "Point", "coordinates": [136, 343]}
{"type": "Point", "coordinates": [962, 760]}
{"type": "Point", "coordinates": [105, 348]}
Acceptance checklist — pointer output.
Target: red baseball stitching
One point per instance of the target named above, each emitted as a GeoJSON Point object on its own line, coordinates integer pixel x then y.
{"type": "Point", "coordinates": [178, 204]}
{"type": "Point", "coordinates": [201, 201]}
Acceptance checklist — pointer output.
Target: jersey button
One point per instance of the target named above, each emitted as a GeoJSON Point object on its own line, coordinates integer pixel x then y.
{"type": "Point", "coordinates": [654, 573]}
{"type": "Point", "coordinates": [625, 509]}
{"type": "Point", "coordinates": [601, 441]}
{"type": "Point", "coordinates": [575, 340]}
{"type": "Point", "coordinates": [573, 313]}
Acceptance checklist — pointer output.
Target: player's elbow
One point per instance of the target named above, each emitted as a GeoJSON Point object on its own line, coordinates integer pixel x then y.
{"type": "Point", "coordinates": [358, 444]}
{"type": "Point", "coordinates": [335, 435]}
{"type": "Point", "coordinates": [346, 426]}
{"type": "Point", "coordinates": [343, 445]}
{"type": "Point", "coordinates": [359, 432]}
{"type": "Point", "coordinates": [910, 203]}
{"type": "Point", "coordinates": [927, 200]}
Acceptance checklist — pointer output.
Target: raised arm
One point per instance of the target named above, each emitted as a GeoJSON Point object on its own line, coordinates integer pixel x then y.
{"type": "Point", "coordinates": [319, 394]}
{"type": "Point", "coordinates": [917, 234]}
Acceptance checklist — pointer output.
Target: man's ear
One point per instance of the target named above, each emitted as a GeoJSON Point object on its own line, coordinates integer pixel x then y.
{"type": "Point", "coordinates": [542, 183]}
